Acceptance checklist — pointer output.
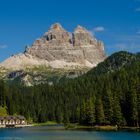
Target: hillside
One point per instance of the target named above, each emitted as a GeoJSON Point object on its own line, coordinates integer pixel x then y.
{"type": "Point", "coordinates": [115, 62]}
{"type": "Point", "coordinates": [108, 98]}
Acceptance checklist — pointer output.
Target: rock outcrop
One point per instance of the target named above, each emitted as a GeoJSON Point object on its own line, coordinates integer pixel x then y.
{"type": "Point", "coordinates": [58, 48]}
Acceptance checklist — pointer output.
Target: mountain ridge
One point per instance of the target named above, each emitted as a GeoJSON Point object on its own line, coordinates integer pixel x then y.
{"type": "Point", "coordinates": [58, 48]}
{"type": "Point", "coordinates": [115, 62]}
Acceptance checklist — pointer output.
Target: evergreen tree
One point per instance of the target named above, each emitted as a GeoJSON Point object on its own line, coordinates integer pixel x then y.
{"type": "Point", "coordinates": [100, 117]}
{"type": "Point", "coordinates": [89, 112]}
{"type": "Point", "coordinates": [117, 115]}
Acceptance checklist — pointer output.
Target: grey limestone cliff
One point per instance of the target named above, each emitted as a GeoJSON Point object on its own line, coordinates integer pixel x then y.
{"type": "Point", "coordinates": [58, 48]}
{"type": "Point", "coordinates": [77, 47]}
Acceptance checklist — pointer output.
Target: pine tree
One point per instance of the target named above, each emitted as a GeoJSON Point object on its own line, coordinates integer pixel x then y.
{"type": "Point", "coordinates": [108, 105]}
{"type": "Point", "coordinates": [133, 106]}
{"type": "Point", "coordinates": [100, 118]}
{"type": "Point", "coordinates": [117, 115]}
{"type": "Point", "coordinates": [89, 112]}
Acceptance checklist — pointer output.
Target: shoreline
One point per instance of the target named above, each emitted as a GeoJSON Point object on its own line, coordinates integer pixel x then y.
{"type": "Point", "coordinates": [45, 123]}
{"type": "Point", "coordinates": [101, 128]}
{"type": "Point", "coordinates": [16, 126]}
{"type": "Point", "coordinates": [96, 127]}
{"type": "Point", "coordinates": [79, 127]}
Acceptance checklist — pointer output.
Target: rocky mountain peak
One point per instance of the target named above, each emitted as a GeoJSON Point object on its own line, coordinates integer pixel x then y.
{"type": "Point", "coordinates": [56, 27]}
{"type": "Point", "coordinates": [56, 36]}
{"type": "Point", "coordinates": [80, 29]}
{"type": "Point", "coordinates": [82, 37]}
{"type": "Point", "coordinates": [58, 48]}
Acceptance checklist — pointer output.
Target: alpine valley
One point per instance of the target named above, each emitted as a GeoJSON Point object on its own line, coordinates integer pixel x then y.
{"type": "Point", "coordinates": [66, 78]}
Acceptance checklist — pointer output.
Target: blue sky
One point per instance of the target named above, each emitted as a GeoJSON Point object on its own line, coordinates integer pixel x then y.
{"type": "Point", "coordinates": [115, 22]}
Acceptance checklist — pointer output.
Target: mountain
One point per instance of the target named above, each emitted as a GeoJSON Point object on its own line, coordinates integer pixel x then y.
{"type": "Point", "coordinates": [115, 62]}
{"type": "Point", "coordinates": [55, 55]}
{"type": "Point", "coordinates": [58, 48]}
{"type": "Point", "coordinates": [107, 95]}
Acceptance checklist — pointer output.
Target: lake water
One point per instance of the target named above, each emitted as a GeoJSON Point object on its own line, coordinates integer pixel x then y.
{"type": "Point", "coordinates": [58, 133]}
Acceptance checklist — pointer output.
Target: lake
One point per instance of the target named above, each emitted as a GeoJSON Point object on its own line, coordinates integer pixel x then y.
{"type": "Point", "coordinates": [58, 133]}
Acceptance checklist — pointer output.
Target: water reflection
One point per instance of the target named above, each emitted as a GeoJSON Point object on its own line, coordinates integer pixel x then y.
{"type": "Point", "coordinates": [59, 133]}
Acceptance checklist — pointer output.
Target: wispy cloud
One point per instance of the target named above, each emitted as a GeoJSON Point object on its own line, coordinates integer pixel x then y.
{"type": "Point", "coordinates": [138, 32]}
{"type": "Point", "coordinates": [137, 0]}
{"type": "Point", "coordinates": [3, 46]}
{"type": "Point", "coordinates": [137, 9]}
{"type": "Point", "coordinates": [130, 47]}
{"type": "Point", "coordinates": [99, 29]}
{"type": "Point", "coordinates": [125, 42]}
{"type": "Point", "coordinates": [127, 38]}
{"type": "Point", "coordinates": [121, 46]}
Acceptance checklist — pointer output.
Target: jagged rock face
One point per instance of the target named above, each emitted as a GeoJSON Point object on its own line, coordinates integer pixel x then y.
{"type": "Point", "coordinates": [79, 47]}
{"type": "Point", "coordinates": [55, 56]}
{"type": "Point", "coordinates": [82, 37]}
{"type": "Point", "coordinates": [56, 36]}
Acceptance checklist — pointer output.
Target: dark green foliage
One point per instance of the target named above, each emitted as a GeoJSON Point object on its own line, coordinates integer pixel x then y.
{"type": "Point", "coordinates": [100, 117]}
{"type": "Point", "coordinates": [115, 62]}
{"type": "Point", "coordinates": [109, 94]}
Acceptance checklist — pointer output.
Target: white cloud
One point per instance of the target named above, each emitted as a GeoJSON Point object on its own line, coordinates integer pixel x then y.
{"type": "Point", "coordinates": [3, 46]}
{"type": "Point", "coordinates": [99, 29]}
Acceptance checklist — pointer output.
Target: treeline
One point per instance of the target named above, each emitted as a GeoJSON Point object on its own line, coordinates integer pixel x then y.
{"type": "Point", "coordinates": [111, 98]}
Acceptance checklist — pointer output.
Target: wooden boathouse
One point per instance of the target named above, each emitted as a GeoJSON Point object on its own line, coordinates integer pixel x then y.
{"type": "Point", "coordinates": [12, 121]}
